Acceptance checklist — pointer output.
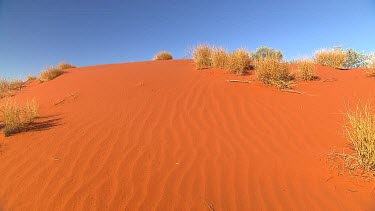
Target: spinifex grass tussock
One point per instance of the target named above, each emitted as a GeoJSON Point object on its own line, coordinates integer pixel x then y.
{"type": "Point", "coordinates": [219, 58]}
{"type": "Point", "coordinates": [270, 71]}
{"type": "Point", "coordinates": [334, 57]}
{"type": "Point", "coordinates": [163, 55]}
{"type": "Point", "coordinates": [305, 69]}
{"type": "Point", "coordinates": [202, 55]}
{"type": "Point", "coordinates": [64, 66]}
{"type": "Point", "coordinates": [360, 131]}
{"type": "Point", "coordinates": [15, 117]}
{"type": "Point", "coordinates": [238, 61]}
{"type": "Point", "coordinates": [50, 73]}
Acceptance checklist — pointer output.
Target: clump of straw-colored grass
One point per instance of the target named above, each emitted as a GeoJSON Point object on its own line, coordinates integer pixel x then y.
{"type": "Point", "coordinates": [238, 61]}
{"type": "Point", "coordinates": [334, 58]}
{"type": "Point", "coordinates": [305, 69]}
{"type": "Point", "coordinates": [271, 71]}
{"type": "Point", "coordinates": [163, 55]}
{"type": "Point", "coordinates": [202, 55]}
{"type": "Point", "coordinates": [219, 58]}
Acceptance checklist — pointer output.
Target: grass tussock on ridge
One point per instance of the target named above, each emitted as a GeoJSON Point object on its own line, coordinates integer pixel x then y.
{"type": "Point", "coordinates": [305, 69]}
{"type": "Point", "coordinates": [53, 72]}
{"type": "Point", "coordinates": [371, 66]}
{"type": "Point", "coordinates": [219, 58]}
{"type": "Point", "coordinates": [334, 58]}
{"type": "Point", "coordinates": [15, 117]}
{"type": "Point", "coordinates": [238, 61]}
{"type": "Point", "coordinates": [360, 131]}
{"type": "Point", "coordinates": [163, 55]}
{"type": "Point", "coordinates": [272, 72]}
{"type": "Point", "coordinates": [50, 73]}
{"type": "Point", "coordinates": [202, 55]}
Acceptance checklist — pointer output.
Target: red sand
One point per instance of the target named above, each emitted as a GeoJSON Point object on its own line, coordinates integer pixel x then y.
{"type": "Point", "coordinates": [164, 136]}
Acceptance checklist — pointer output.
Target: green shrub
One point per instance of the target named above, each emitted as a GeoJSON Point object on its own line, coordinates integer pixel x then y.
{"type": "Point", "coordinates": [266, 52]}
{"type": "Point", "coordinates": [355, 59]}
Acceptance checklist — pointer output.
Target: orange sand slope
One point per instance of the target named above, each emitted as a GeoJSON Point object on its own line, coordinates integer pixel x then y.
{"type": "Point", "coordinates": [164, 136]}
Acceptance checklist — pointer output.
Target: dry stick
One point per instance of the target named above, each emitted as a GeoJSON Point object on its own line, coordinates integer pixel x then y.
{"type": "Point", "coordinates": [292, 91]}
{"type": "Point", "coordinates": [239, 81]}
{"type": "Point", "coordinates": [329, 80]}
{"type": "Point", "coordinates": [63, 100]}
{"type": "Point", "coordinates": [210, 206]}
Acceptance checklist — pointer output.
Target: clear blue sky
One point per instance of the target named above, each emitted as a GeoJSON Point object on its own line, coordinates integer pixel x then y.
{"type": "Point", "coordinates": [39, 33]}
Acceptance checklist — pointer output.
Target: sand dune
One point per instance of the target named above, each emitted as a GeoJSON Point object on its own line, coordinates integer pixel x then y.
{"type": "Point", "coordinates": [164, 136]}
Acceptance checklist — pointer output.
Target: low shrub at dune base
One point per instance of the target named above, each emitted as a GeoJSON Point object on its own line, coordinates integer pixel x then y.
{"type": "Point", "coordinates": [202, 55]}
{"type": "Point", "coordinates": [305, 69]}
{"type": "Point", "coordinates": [7, 87]}
{"type": "Point", "coordinates": [219, 58]}
{"type": "Point", "coordinates": [238, 61]}
{"type": "Point", "coordinates": [64, 66]}
{"type": "Point", "coordinates": [15, 117]}
{"type": "Point", "coordinates": [334, 58]}
{"type": "Point", "coordinates": [270, 71]}
{"type": "Point", "coordinates": [50, 73]}
{"type": "Point", "coordinates": [163, 55]}
{"type": "Point", "coordinates": [360, 130]}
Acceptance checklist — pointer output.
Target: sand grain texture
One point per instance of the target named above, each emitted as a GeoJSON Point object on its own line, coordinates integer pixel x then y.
{"type": "Point", "coordinates": [164, 136]}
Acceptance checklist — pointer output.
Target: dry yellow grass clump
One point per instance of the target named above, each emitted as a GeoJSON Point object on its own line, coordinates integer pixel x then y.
{"type": "Point", "coordinates": [219, 58]}
{"type": "Point", "coordinates": [360, 131]}
{"type": "Point", "coordinates": [305, 69]}
{"type": "Point", "coordinates": [334, 58]}
{"type": "Point", "coordinates": [202, 55]}
{"type": "Point", "coordinates": [271, 71]}
{"type": "Point", "coordinates": [7, 87]}
{"type": "Point", "coordinates": [64, 66]}
{"type": "Point", "coordinates": [31, 78]}
{"type": "Point", "coordinates": [163, 55]}
{"type": "Point", "coordinates": [50, 73]}
{"type": "Point", "coordinates": [238, 61]}
{"type": "Point", "coordinates": [14, 117]}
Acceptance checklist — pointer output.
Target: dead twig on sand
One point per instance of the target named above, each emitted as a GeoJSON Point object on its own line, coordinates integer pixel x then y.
{"type": "Point", "coordinates": [210, 206]}
{"type": "Point", "coordinates": [292, 91]}
{"type": "Point", "coordinates": [239, 81]}
{"type": "Point", "coordinates": [329, 80]}
{"type": "Point", "coordinates": [66, 98]}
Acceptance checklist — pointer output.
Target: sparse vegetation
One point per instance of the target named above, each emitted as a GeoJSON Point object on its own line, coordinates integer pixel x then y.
{"type": "Point", "coordinates": [334, 58]}
{"type": "Point", "coordinates": [15, 117]}
{"type": "Point", "coordinates": [371, 66]}
{"type": "Point", "coordinates": [163, 55]}
{"type": "Point", "coordinates": [266, 52]}
{"type": "Point", "coordinates": [360, 130]}
{"type": "Point", "coordinates": [50, 73]}
{"type": "Point", "coordinates": [305, 69]}
{"type": "Point", "coordinates": [238, 61]}
{"type": "Point", "coordinates": [7, 87]}
{"type": "Point", "coordinates": [270, 71]}
{"type": "Point", "coordinates": [202, 55]}
{"type": "Point", "coordinates": [64, 66]}
{"type": "Point", "coordinates": [219, 58]}
{"type": "Point", "coordinates": [31, 78]}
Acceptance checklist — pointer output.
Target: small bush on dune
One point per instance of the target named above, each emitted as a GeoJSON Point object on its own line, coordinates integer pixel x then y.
{"type": "Point", "coordinates": [360, 131]}
{"type": "Point", "coordinates": [305, 69]}
{"type": "Point", "coordinates": [8, 85]}
{"type": "Point", "coordinates": [202, 55]}
{"type": "Point", "coordinates": [64, 66]}
{"type": "Point", "coordinates": [371, 66]}
{"type": "Point", "coordinates": [270, 71]}
{"type": "Point", "coordinates": [31, 78]}
{"type": "Point", "coordinates": [266, 52]}
{"type": "Point", "coordinates": [163, 55]}
{"type": "Point", "coordinates": [334, 58]}
{"type": "Point", "coordinates": [50, 73]}
{"type": "Point", "coordinates": [238, 61]}
{"type": "Point", "coordinates": [355, 59]}
{"type": "Point", "coordinates": [219, 58]}
{"type": "Point", "coordinates": [14, 116]}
